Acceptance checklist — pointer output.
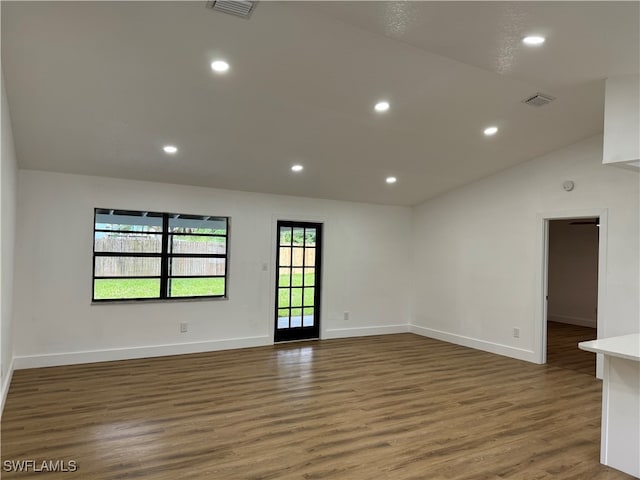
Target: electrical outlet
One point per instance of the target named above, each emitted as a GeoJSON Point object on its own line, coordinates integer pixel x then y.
{"type": "Point", "coordinates": [516, 332]}
{"type": "Point", "coordinates": [346, 316]}
{"type": "Point", "coordinates": [184, 327]}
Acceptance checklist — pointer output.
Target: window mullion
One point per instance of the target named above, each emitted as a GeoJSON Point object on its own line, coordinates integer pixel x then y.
{"type": "Point", "coordinates": [164, 264]}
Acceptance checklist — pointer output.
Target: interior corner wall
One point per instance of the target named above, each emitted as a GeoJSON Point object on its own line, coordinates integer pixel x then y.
{"type": "Point", "coordinates": [8, 186]}
{"type": "Point", "coordinates": [573, 273]}
{"type": "Point", "coordinates": [622, 121]}
{"type": "Point", "coordinates": [477, 252]}
{"type": "Point", "coordinates": [365, 260]}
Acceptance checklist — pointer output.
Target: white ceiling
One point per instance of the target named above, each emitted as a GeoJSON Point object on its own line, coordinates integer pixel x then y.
{"type": "Point", "coordinates": [99, 87]}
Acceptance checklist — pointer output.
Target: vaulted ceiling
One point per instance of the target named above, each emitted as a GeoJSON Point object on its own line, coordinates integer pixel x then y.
{"type": "Point", "coordinates": [99, 88]}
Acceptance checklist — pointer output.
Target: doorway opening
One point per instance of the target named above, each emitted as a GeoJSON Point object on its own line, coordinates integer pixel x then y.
{"type": "Point", "coordinates": [298, 275]}
{"type": "Point", "coordinates": [573, 246]}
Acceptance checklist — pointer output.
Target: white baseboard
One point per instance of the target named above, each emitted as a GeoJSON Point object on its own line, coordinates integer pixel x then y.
{"type": "Point", "coordinates": [582, 322]}
{"type": "Point", "coordinates": [73, 358]}
{"type": "Point", "coordinates": [364, 331]}
{"type": "Point", "coordinates": [5, 385]}
{"type": "Point", "coordinates": [505, 350]}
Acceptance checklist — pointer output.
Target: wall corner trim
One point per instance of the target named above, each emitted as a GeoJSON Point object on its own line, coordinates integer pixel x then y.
{"type": "Point", "coordinates": [5, 385]}
{"type": "Point", "coordinates": [497, 348]}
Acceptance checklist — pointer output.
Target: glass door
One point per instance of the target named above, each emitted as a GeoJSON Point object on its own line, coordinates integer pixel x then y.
{"type": "Point", "coordinates": [297, 315]}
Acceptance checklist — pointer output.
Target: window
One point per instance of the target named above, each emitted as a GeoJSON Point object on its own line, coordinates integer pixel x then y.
{"type": "Point", "coordinates": [151, 255]}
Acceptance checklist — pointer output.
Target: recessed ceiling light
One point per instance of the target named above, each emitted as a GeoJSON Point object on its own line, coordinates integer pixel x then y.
{"type": "Point", "coordinates": [391, 180]}
{"type": "Point", "coordinates": [533, 40]}
{"type": "Point", "coordinates": [297, 168]}
{"type": "Point", "coordinates": [171, 149]}
{"type": "Point", "coordinates": [490, 131]}
{"type": "Point", "coordinates": [219, 66]}
{"type": "Point", "coordinates": [381, 107]}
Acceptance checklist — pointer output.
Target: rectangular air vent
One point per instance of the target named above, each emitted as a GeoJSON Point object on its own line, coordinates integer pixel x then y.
{"type": "Point", "coordinates": [538, 100]}
{"type": "Point", "coordinates": [240, 8]}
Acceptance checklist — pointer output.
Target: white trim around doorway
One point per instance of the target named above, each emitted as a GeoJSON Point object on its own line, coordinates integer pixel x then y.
{"type": "Point", "coordinates": [542, 241]}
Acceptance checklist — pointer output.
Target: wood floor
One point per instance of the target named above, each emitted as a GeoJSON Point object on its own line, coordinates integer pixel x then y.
{"type": "Point", "coordinates": [562, 347]}
{"type": "Point", "coordinates": [395, 407]}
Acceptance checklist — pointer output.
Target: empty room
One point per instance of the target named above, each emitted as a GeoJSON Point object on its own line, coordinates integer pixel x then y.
{"type": "Point", "coordinates": [320, 240]}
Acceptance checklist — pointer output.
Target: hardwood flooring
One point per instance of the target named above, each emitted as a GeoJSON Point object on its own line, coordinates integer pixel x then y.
{"type": "Point", "coordinates": [394, 407]}
{"type": "Point", "coordinates": [562, 347]}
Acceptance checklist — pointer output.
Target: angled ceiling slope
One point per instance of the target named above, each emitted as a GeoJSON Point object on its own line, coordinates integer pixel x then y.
{"type": "Point", "coordinates": [99, 88]}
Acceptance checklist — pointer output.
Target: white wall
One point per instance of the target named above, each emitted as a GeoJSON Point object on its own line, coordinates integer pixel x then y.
{"type": "Point", "coordinates": [477, 250]}
{"type": "Point", "coordinates": [622, 120]}
{"type": "Point", "coordinates": [573, 273]}
{"type": "Point", "coordinates": [366, 261]}
{"type": "Point", "coordinates": [8, 183]}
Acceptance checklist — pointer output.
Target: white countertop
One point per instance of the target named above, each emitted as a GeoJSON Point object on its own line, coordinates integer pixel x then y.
{"type": "Point", "coordinates": [625, 346]}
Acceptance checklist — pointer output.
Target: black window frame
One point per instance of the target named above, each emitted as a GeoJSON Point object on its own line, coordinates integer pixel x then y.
{"type": "Point", "coordinates": [165, 255]}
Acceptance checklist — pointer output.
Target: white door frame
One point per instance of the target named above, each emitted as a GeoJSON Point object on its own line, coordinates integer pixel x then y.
{"type": "Point", "coordinates": [541, 282]}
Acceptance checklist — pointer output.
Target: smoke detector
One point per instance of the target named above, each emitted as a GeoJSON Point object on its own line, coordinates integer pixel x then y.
{"type": "Point", "coordinates": [538, 100]}
{"type": "Point", "coordinates": [239, 8]}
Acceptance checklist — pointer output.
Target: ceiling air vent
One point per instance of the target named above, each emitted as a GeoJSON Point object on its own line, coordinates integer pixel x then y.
{"type": "Point", "coordinates": [240, 8]}
{"type": "Point", "coordinates": [538, 100]}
